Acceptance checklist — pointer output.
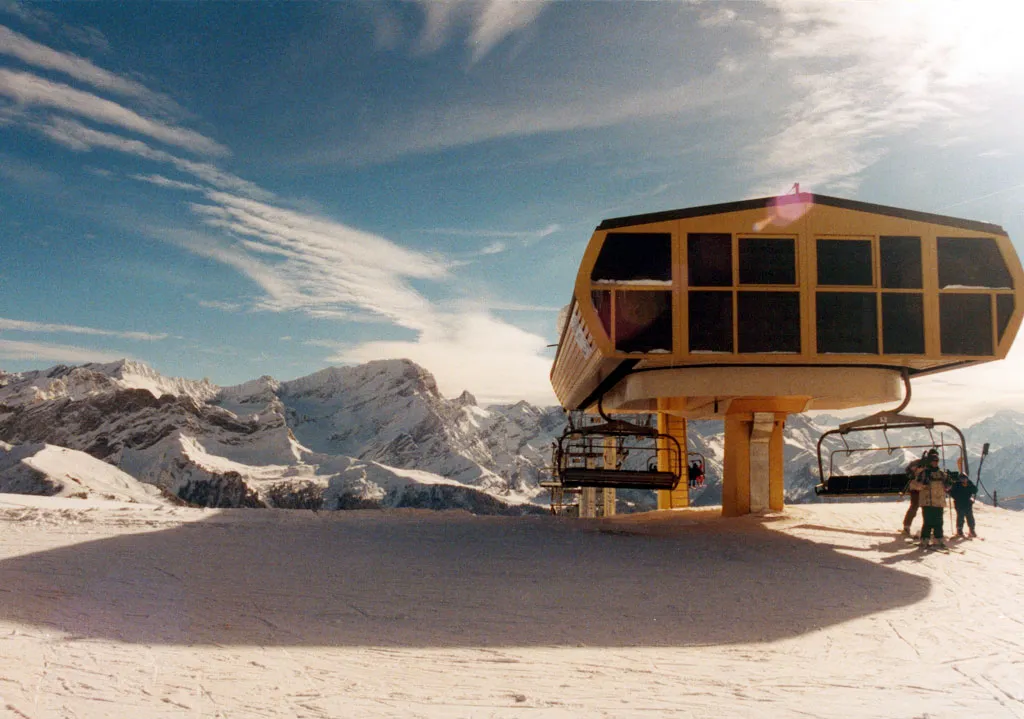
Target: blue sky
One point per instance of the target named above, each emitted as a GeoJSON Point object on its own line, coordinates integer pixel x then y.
{"type": "Point", "coordinates": [231, 190]}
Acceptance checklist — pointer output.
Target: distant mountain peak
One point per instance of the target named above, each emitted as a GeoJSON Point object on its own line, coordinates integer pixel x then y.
{"type": "Point", "coordinates": [401, 376]}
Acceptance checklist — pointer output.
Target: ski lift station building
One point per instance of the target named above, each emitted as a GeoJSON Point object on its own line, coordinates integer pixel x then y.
{"type": "Point", "coordinates": [752, 310]}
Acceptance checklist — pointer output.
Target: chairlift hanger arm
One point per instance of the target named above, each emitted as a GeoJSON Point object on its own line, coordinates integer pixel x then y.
{"type": "Point", "coordinates": [614, 427]}
{"type": "Point", "coordinates": [890, 418]}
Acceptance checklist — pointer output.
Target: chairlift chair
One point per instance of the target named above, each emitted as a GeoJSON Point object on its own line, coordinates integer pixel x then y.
{"type": "Point", "coordinates": [594, 456]}
{"type": "Point", "coordinates": [834, 484]}
{"type": "Point", "coordinates": [874, 485]}
{"type": "Point", "coordinates": [698, 457]}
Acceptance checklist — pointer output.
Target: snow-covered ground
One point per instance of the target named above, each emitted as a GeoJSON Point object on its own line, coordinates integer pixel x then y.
{"type": "Point", "coordinates": [119, 609]}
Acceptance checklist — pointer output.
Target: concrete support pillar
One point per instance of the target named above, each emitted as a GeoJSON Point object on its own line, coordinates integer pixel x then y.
{"type": "Point", "coordinates": [611, 461]}
{"type": "Point", "coordinates": [680, 496]}
{"type": "Point", "coordinates": [609, 501]}
{"type": "Point", "coordinates": [752, 473]}
{"type": "Point", "coordinates": [776, 476]}
{"type": "Point", "coordinates": [588, 502]}
{"type": "Point", "coordinates": [760, 469]}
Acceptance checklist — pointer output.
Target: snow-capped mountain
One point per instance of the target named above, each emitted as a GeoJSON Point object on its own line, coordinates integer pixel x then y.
{"type": "Point", "coordinates": [60, 472]}
{"type": "Point", "coordinates": [381, 434]}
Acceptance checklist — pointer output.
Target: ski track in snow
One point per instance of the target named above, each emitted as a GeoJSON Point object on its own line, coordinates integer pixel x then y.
{"type": "Point", "coordinates": [122, 610]}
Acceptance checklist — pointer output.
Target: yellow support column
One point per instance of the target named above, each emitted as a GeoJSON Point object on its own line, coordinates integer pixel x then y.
{"type": "Point", "coordinates": [736, 465]}
{"type": "Point", "coordinates": [611, 461]}
{"type": "Point", "coordinates": [680, 496]}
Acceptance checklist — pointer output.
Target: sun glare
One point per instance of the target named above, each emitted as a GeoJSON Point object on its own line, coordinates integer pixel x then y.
{"type": "Point", "coordinates": [983, 39]}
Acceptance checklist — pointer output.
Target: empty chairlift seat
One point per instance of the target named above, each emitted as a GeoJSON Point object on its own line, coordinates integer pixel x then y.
{"type": "Point", "coordinates": [862, 485]}
{"type": "Point", "coordinates": [619, 478]}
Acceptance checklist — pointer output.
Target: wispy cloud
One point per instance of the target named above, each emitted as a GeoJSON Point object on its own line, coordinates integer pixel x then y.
{"type": "Point", "coordinates": [11, 350]}
{"type": "Point", "coordinates": [489, 22]}
{"type": "Point", "coordinates": [495, 248]}
{"type": "Point", "coordinates": [864, 73]}
{"type": "Point", "coordinates": [25, 326]}
{"type": "Point", "coordinates": [223, 306]}
{"type": "Point", "coordinates": [300, 261]}
{"type": "Point", "coordinates": [460, 124]}
{"type": "Point", "coordinates": [161, 181]}
{"type": "Point", "coordinates": [25, 173]}
{"type": "Point", "coordinates": [310, 263]}
{"type": "Point", "coordinates": [76, 136]}
{"type": "Point", "coordinates": [527, 237]}
{"type": "Point", "coordinates": [32, 53]}
{"type": "Point", "coordinates": [27, 89]}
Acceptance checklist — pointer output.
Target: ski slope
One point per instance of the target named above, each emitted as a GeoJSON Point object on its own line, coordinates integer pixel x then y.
{"type": "Point", "coordinates": [118, 609]}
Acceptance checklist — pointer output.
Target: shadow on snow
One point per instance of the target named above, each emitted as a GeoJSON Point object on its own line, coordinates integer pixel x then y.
{"type": "Point", "coordinates": [447, 580]}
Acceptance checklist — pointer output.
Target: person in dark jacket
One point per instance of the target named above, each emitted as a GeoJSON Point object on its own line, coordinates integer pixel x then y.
{"type": "Point", "coordinates": [696, 474]}
{"type": "Point", "coordinates": [914, 469]}
{"type": "Point", "coordinates": [963, 492]}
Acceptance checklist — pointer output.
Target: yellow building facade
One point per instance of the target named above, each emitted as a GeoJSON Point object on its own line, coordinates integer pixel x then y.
{"type": "Point", "coordinates": [752, 310]}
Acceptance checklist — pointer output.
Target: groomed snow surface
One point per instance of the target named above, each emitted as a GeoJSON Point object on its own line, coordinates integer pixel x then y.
{"type": "Point", "coordinates": [123, 609]}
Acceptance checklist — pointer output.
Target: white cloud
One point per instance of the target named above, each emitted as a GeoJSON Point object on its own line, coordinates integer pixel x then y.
{"type": "Point", "coordinates": [221, 305]}
{"type": "Point", "coordinates": [31, 90]}
{"type": "Point", "coordinates": [717, 17]}
{"type": "Point", "coordinates": [497, 362]}
{"type": "Point", "coordinates": [33, 53]}
{"type": "Point", "coordinates": [161, 181]}
{"type": "Point", "coordinates": [490, 22]}
{"type": "Point", "coordinates": [867, 72]}
{"type": "Point", "coordinates": [522, 114]}
{"type": "Point", "coordinates": [25, 173]}
{"type": "Point", "coordinates": [318, 265]}
{"type": "Point", "coordinates": [24, 326]}
{"type": "Point", "coordinates": [10, 350]}
{"type": "Point", "coordinates": [527, 237]}
{"type": "Point", "coordinates": [497, 19]}
{"type": "Point", "coordinates": [76, 136]}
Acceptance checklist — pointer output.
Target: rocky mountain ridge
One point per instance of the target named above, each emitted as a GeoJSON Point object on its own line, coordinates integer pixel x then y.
{"type": "Point", "coordinates": [375, 435]}
{"type": "Point", "coordinates": [381, 434]}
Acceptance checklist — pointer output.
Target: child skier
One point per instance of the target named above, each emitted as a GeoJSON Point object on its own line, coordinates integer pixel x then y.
{"type": "Point", "coordinates": [963, 493]}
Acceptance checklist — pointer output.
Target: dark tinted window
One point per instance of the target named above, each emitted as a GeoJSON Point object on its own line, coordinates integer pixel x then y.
{"type": "Point", "coordinates": [643, 321]}
{"type": "Point", "coordinates": [902, 324]}
{"type": "Point", "coordinates": [711, 321]}
{"type": "Point", "coordinates": [900, 259]}
{"type": "Point", "coordinates": [634, 256]}
{"type": "Point", "coordinates": [767, 262]}
{"type": "Point", "coordinates": [602, 300]}
{"type": "Point", "coordinates": [965, 323]}
{"type": "Point", "coordinates": [844, 262]}
{"type": "Point", "coordinates": [847, 323]}
{"type": "Point", "coordinates": [768, 321]}
{"type": "Point", "coordinates": [710, 259]}
{"type": "Point", "coordinates": [971, 262]}
{"type": "Point", "coordinates": [1004, 309]}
